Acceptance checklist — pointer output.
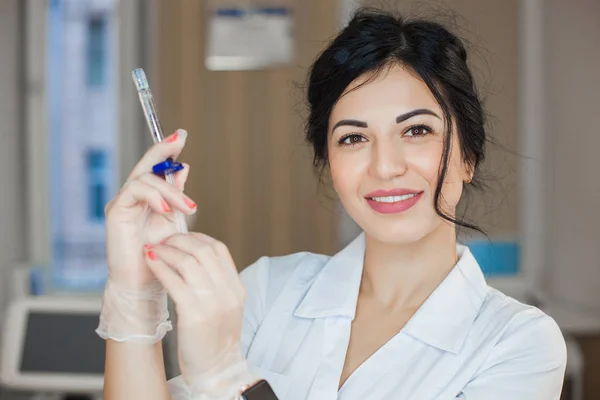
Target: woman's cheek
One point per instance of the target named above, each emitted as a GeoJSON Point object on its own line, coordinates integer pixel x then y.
{"type": "Point", "coordinates": [347, 168]}
{"type": "Point", "coordinates": [427, 164]}
{"type": "Point", "coordinates": [453, 186]}
{"type": "Point", "coordinates": [340, 174]}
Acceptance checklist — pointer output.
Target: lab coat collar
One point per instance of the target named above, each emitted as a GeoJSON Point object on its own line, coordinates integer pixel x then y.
{"type": "Point", "coordinates": [335, 290]}
{"type": "Point", "coordinates": [446, 317]}
{"type": "Point", "coordinates": [443, 321]}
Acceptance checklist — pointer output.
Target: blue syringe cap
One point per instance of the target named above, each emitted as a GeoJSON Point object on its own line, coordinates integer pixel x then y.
{"type": "Point", "coordinates": [167, 167]}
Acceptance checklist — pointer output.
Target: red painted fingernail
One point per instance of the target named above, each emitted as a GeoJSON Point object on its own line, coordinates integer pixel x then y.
{"type": "Point", "coordinates": [173, 137]}
{"type": "Point", "coordinates": [152, 255]}
{"type": "Point", "coordinates": [148, 246]}
{"type": "Point", "coordinates": [189, 202]}
{"type": "Point", "coordinates": [165, 206]}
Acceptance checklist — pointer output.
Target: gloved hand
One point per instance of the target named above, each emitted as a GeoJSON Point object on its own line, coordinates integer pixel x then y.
{"type": "Point", "coordinates": [201, 278]}
{"type": "Point", "coordinates": [135, 303]}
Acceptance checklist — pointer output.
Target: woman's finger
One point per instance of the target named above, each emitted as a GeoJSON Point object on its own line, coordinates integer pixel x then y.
{"type": "Point", "coordinates": [187, 266]}
{"type": "Point", "coordinates": [136, 192]}
{"type": "Point", "coordinates": [226, 266]}
{"type": "Point", "coordinates": [219, 248]}
{"type": "Point", "coordinates": [182, 176]}
{"type": "Point", "coordinates": [170, 193]}
{"type": "Point", "coordinates": [175, 285]}
{"type": "Point", "coordinates": [171, 147]}
{"type": "Point", "coordinates": [204, 254]}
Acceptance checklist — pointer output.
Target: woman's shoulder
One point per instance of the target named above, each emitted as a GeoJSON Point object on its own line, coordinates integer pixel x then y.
{"type": "Point", "coordinates": [279, 268]}
{"type": "Point", "coordinates": [267, 276]}
{"type": "Point", "coordinates": [513, 312]}
{"type": "Point", "coordinates": [521, 330]}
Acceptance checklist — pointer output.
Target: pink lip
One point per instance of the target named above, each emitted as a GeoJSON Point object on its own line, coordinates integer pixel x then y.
{"type": "Point", "coordinates": [395, 207]}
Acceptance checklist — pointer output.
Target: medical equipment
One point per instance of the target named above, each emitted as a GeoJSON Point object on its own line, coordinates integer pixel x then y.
{"type": "Point", "coordinates": [49, 345]}
{"type": "Point", "coordinates": [168, 167]}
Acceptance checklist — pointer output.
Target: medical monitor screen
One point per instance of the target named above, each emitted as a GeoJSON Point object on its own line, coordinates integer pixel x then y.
{"type": "Point", "coordinates": [62, 343]}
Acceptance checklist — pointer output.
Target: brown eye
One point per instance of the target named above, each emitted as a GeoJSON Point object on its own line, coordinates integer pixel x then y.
{"type": "Point", "coordinates": [418, 130]}
{"type": "Point", "coordinates": [351, 139]}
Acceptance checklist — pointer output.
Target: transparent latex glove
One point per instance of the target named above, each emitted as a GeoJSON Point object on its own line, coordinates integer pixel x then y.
{"type": "Point", "coordinates": [201, 277]}
{"type": "Point", "coordinates": [134, 305]}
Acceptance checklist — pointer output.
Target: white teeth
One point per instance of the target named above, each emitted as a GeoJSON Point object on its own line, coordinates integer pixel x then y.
{"type": "Point", "coordinates": [393, 199]}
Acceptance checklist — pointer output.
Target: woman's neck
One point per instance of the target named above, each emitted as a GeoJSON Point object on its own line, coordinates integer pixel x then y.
{"type": "Point", "coordinates": [404, 276]}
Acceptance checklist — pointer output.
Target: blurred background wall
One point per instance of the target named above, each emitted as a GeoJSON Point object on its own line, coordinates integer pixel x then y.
{"type": "Point", "coordinates": [13, 211]}
{"type": "Point", "coordinates": [251, 171]}
{"type": "Point", "coordinates": [572, 185]}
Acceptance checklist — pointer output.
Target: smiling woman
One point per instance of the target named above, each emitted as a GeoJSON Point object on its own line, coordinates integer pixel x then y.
{"type": "Point", "coordinates": [402, 312]}
{"type": "Point", "coordinates": [439, 83]}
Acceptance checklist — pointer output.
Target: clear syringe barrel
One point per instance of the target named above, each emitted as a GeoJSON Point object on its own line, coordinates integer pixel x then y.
{"type": "Point", "coordinates": [147, 102]}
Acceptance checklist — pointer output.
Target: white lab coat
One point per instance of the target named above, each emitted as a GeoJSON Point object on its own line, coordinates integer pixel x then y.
{"type": "Point", "coordinates": [468, 341]}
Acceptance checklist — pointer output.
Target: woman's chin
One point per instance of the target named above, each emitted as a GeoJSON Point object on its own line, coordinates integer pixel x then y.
{"type": "Point", "coordinates": [399, 233]}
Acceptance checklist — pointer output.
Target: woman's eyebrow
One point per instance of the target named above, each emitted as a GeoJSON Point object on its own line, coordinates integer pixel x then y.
{"type": "Point", "coordinates": [410, 114]}
{"type": "Point", "coordinates": [350, 122]}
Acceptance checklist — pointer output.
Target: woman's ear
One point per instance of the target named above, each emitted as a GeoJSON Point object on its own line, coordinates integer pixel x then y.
{"type": "Point", "coordinates": [469, 172]}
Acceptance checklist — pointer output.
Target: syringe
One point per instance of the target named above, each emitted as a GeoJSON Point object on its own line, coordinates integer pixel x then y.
{"type": "Point", "coordinates": [147, 101]}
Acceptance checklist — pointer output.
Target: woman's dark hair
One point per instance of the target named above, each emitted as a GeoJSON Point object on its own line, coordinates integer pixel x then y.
{"type": "Point", "coordinates": [376, 40]}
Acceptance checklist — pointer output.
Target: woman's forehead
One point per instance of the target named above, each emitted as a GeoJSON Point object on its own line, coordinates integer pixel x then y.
{"type": "Point", "coordinates": [396, 89]}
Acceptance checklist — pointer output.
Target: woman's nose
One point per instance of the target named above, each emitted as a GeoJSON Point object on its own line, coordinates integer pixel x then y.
{"type": "Point", "coordinates": [388, 160]}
